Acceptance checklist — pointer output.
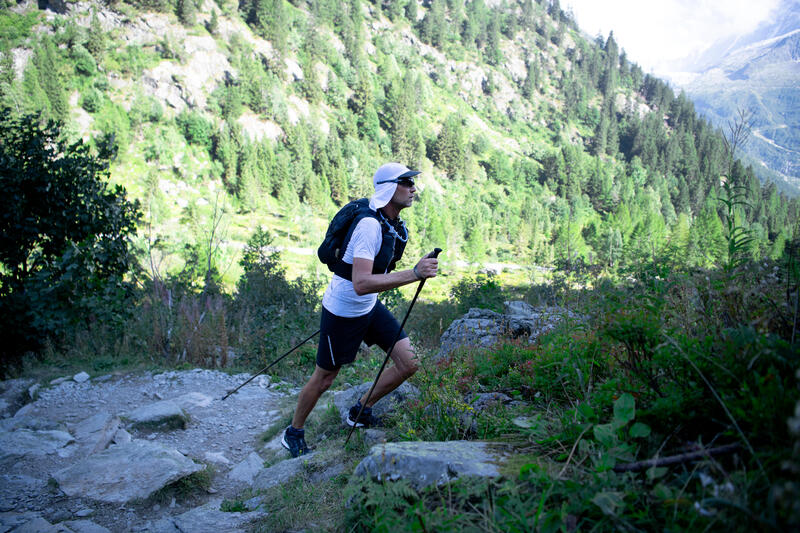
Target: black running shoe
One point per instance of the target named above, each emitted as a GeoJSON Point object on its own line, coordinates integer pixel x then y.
{"type": "Point", "coordinates": [366, 419]}
{"type": "Point", "coordinates": [294, 441]}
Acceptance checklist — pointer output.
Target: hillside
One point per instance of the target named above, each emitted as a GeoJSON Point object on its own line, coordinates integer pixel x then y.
{"type": "Point", "coordinates": [276, 113]}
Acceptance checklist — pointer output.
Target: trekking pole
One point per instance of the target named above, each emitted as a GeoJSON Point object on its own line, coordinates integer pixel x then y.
{"type": "Point", "coordinates": [434, 254]}
{"type": "Point", "coordinates": [276, 361]}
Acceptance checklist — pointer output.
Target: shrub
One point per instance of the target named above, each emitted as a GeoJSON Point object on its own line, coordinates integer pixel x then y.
{"type": "Point", "coordinates": [92, 100]}
{"type": "Point", "coordinates": [480, 291]}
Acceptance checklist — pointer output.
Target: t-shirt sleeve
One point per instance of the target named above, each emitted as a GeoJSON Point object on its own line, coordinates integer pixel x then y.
{"type": "Point", "coordinates": [366, 239]}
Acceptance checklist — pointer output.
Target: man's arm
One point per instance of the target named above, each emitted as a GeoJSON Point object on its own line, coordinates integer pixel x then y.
{"type": "Point", "coordinates": [365, 282]}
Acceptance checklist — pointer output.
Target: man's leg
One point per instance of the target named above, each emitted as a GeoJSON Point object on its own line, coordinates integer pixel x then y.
{"type": "Point", "coordinates": [405, 366]}
{"type": "Point", "coordinates": [320, 381]}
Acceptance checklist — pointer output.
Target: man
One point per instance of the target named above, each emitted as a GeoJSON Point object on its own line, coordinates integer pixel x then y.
{"type": "Point", "coordinates": [351, 312]}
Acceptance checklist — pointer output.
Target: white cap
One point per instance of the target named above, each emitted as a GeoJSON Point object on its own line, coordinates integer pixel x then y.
{"type": "Point", "coordinates": [385, 191]}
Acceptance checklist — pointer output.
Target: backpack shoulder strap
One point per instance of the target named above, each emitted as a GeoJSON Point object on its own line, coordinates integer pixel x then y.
{"type": "Point", "coordinates": [345, 270]}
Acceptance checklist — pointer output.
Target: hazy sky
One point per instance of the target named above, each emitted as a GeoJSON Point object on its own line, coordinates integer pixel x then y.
{"type": "Point", "coordinates": [655, 33]}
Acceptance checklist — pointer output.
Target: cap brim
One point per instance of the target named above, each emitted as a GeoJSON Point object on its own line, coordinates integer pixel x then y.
{"type": "Point", "coordinates": [409, 174]}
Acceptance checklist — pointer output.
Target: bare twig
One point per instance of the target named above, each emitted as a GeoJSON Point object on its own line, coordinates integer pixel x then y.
{"type": "Point", "coordinates": [677, 459]}
{"type": "Point", "coordinates": [573, 450]}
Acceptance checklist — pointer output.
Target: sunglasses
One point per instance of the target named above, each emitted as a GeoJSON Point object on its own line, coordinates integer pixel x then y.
{"type": "Point", "coordinates": [407, 182]}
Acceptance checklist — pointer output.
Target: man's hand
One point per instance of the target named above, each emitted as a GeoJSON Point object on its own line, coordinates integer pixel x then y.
{"type": "Point", "coordinates": [427, 267]}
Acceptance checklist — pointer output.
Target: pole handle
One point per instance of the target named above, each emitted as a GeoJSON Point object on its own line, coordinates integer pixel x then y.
{"type": "Point", "coordinates": [435, 253]}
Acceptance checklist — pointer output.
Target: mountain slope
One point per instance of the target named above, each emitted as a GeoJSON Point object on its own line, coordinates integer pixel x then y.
{"type": "Point", "coordinates": [759, 73]}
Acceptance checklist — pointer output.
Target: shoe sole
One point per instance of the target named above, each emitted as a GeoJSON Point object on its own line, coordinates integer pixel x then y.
{"type": "Point", "coordinates": [355, 424]}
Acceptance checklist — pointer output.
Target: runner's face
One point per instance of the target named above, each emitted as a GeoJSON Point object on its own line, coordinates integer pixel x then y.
{"type": "Point", "coordinates": [404, 194]}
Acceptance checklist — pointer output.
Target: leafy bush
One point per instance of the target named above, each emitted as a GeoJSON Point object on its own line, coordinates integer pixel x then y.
{"type": "Point", "coordinates": [92, 100]}
{"type": "Point", "coordinates": [269, 314]}
{"type": "Point", "coordinates": [480, 291]}
{"type": "Point", "coordinates": [196, 128]}
{"type": "Point", "coordinates": [65, 236]}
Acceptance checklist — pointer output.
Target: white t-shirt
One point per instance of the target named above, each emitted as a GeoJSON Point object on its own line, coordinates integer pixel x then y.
{"type": "Point", "coordinates": [340, 297]}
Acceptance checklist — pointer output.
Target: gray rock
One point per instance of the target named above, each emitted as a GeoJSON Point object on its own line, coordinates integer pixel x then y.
{"type": "Point", "coordinates": [83, 513]}
{"type": "Point", "coordinates": [10, 520]}
{"type": "Point", "coordinates": [13, 395]}
{"type": "Point", "coordinates": [25, 410]}
{"type": "Point", "coordinates": [125, 472]}
{"type": "Point", "coordinates": [28, 422]}
{"type": "Point", "coordinates": [326, 474]}
{"type": "Point", "coordinates": [38, 525]}
{"type": "Point", "coordinates": [33, 389]}
{"type": "Point", "coordinates": [482, 328]}
{"type": "Point", "coordinates": [344, 400]}
{"type": "Point", "coordinates": [482, 400]}
{"type": "Point", "coordinates": [247, 469]}
{"type": "Point", "coordinates": [122, 437]}
{"type": "Point", "coordinates": [59, 381]}
{"type": "Point", "coordinates": [374, 436]}
{"type": "Point", "coordinates": [426, 463]}
{"type": "Point", "coordinates": [206, 518]}
{"type": "Point", "coordinates": [254, 503]}
{"type": "Point", "coordinates": [479, 327]}
{"type": "Point", "coordinates": [81, 377]}
{"type": "Point", "coordinates": [27, 442]}
{"type": "Point", "coordinates": [279, 473]}
{"type": "Point", "coordinates": [193, 399]}
{"type": "Point", "coordinates": [85, 526]}
{"type": "Point", "coordinates": [217, 458]}
{"type": "Point", "coordinates": [165, 414]}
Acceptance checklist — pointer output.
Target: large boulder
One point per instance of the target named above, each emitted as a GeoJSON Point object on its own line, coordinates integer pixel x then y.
{"type": "Point", "coordinates": [279, 473]}
{"type": "Point", "coordinates": [28, 442]}
{"type": "Point", "coordinates": [165, 414]}
{"type": "Point", "coordinates": [482, 328]}
{"type": "Point", "coordinates": [426, 463]}
{"type": "Point", "coordinates": [247, 469]}
{"type": "Point", "coordinates": [345, 399]}
{"type": "Point", "coordinates": [207, 517]}
{"type": "Point", "coordinates": [13, 395]}
{"type": "Point", "coordinates": [125, 472]}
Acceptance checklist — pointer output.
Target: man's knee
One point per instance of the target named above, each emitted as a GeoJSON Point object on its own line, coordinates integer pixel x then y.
{"type": "Point", "coordinates": [407, 364]}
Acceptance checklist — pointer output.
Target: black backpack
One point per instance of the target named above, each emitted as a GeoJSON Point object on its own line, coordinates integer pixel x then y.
{"type": "Point", "coordinates": [340, 229]}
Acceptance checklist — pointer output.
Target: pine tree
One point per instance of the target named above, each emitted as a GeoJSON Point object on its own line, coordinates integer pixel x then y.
{"type": "Point", "coordinates": [50, 79]}
{"type": "Point", "coordinates": [213, 23]}
{"type": "Point", "coordinates": [96, 42]}
{"type": "Point", "coordinates": [187, 12]}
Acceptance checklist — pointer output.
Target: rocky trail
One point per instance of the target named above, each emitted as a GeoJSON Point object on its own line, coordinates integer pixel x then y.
{"type": "Point", "coordinates": [88, 454]}
{"type": "Point", "coordinates": [161, 452]}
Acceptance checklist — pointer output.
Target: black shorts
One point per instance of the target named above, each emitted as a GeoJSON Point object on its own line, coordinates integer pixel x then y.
{"type": "Point", "coordinates": [340, 337]}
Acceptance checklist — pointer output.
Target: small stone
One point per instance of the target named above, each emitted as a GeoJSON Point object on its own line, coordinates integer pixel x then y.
{"type": "Point", "coordinates": [84, 513]}
{"type": "Point", "coordinates": [81, 377]}
{"type": "Point", "coordinates": [172, 504]}
{"type": "Point", "coordinates": [59, 381]}
{"type": "Point", "coordinates": [217, 457]}
{"type": "Point", "coordinates": [156, 507]}
{"type": "Point", "coordinates": [33, 390]}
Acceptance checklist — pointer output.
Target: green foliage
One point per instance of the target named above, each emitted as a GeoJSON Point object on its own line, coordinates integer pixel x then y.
{"type": "Point", "coordinates": [269, 313]}
{"type": "Point", "coordinates": [195, 128]}
{"type": "Point", "coordinates": [481, 291]}
{"type": "Point", "coordinates": [16, 27]}
{"type": "Point", "coordinates": [65, 235]}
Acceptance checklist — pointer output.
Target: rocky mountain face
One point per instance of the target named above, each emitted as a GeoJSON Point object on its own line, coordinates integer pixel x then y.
{"type": "Point", "coordinates": [760, 73]}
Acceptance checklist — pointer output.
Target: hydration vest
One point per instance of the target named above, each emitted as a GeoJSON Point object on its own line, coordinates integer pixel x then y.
{"type": "Point", "coordinates": [340, 230]}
